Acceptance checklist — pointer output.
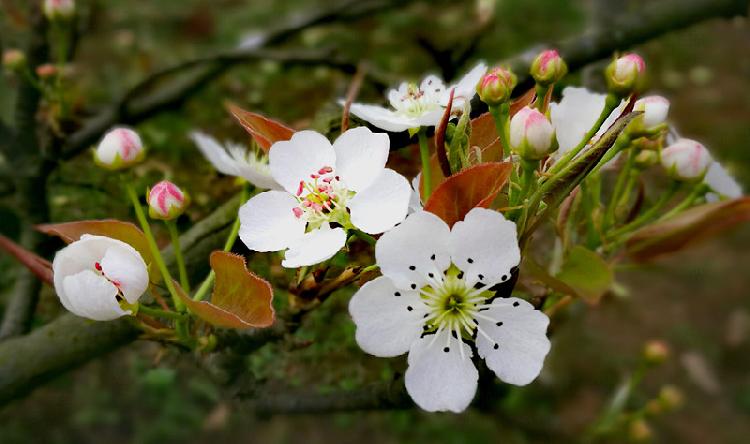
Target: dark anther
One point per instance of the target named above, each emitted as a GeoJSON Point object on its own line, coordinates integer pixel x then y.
{"type": "Point", "coordinates": [446, 349]}
{"type": "Point", "coordinates": [454, 334]}
{"type": "Point", "coordinates": [516, 304]}
{"type": "Point", "coordinates": [470, 260]}
{"type": "Point", "coordinates": [397, 294]}
{"type": "Point", "coordinates": [412, 267]}
{"type": "Point", "coordinates": [460, 275]}
{"type": "Point", "coordinates": [499, 323]}
{"type": "Point", "coordinates": [496, 346]}
{"type": "Point", "coordinates": [481, 276]}
{"type": "Point", "coordinates": [409, 308]}
{"type": "Point", "coordinates": [430, 275]}
{"type": "Point", "coordinates": [413, 286]}
{"type": "Point", "coordinates": [432, 257]}
{"type": "Point", "coordinates": [504, 278]}
{"type": "Point", "coordinates": [479, 285]}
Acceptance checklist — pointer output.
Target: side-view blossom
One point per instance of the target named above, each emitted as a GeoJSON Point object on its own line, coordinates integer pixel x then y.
{"type": "Point", "coordinates": [415, 106]}
{"type": "Point", "coordinates": [120, 148]}
{"type": "Point", "coordinates": [99, 278]}
{"type": "Point", "coordinates": [434, 300]}
{"type": "Point", "coordinates": [166, 201]}
{"type": "Point", "coordinates": [531, 134]}
{"type": "Point", "coordinates": [654, 108]}
{"type": "Point", "coordinates": [721, 184]}
{"type": "Point", "coordinates": [686, 160]}
{"type": "Point", "coordinates": [236, 160]}
{"type": "Point", "coordinates": [327, 189]}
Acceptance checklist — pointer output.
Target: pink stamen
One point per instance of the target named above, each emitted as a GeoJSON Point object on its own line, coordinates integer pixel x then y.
{"type": "Point", "coordinates": [328, 179]}
{"type": "Point", "coordinates": [297, 212]}
{"type": "Point", "coordinates": [98, 266]}
{"type": "Point", "coordinates": [325, 170]}
{"type": "Point", "coordinates": [314, 176]}
{"type": "Point", "coordinates": [317, 207]}
{"type": "Point", "coordinates": [301, 187]}
{"type": "Point", "coordinates": [323, 188]}
{"type": "Point", "coordinates": [306, 203]}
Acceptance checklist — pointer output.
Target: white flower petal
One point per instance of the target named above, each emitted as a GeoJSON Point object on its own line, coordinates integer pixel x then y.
{"type": "Point", "coordinates": [251, 168]}
{"type": "Point", "coordinates": [125, 266]}
{"type": "Point", "coordinates": [519, 340]}
{"type": "Point", "coordinates": [92, 296]}
{"type": "Point", "coordinates": [574, 116]}
{"type": "Point", "coordinates": [382, 205]}
{"type": "Point", "coordinates": [721, 183]}
{"type": "Point", "coordinates": [215, 153]}
{"type": "Point", "coordinates": [314, 247]}
{"type": "Point", "coordinates": [432, 85]}
{"type": "Point", "coordinates": [466, 87]}
{"type": "Point", "coordinates": [267, 222]}
{"type": "Point", "coordinates": [430, 118]}
{"type": "Point", "coordinates": [485, 247]}
{"type": "Point", "coordinates": [439, 376]}
{"type": "Point", "coordinates": [360, 157]}
{"type": "Point", "coordinates": [416, 247]}
{"type": "Point", "coordinates": [415, 200]}
{"type": "Point", "coordinates": [294, 160]}
{"type": "Point", "coordinates": [383, 118]}
{"type": "Point", "coordinates": [388, 320]}
{"type": "Point", "coordinates": [655, 110]}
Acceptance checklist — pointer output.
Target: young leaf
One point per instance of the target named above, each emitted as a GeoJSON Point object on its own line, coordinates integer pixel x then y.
{"type": "Point", "coordinates": [587, 273]}
{"type": "Point", "coordinates": [476, 186]}
{"type": "Point", "coordinates": [439, 138]}
{"type": "Point", "coordinates": [265, 131]}
{"type": "Point", "coordinates": [116, 229]}
{"type": "Point", "coordinates": [39, 266]}
{"type": "Point", "coordinates": [687, 228]}
{"type": "Point", "coordinates": [240, 298]}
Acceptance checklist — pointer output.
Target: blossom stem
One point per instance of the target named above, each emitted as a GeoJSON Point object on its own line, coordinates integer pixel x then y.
{"type": "Point", "coordinates": [424, 155]}
{"type": "Point", "coordinates": [156, 312]}
{"type": "Point", "coordinates": [699, 190]}
{"type": "Point", "coordinates": [141, 216]}
{"type": "Point", "coordinates": [617, 193]}
{"type": "Point", "coordinates": [501, 114]}
{"type": "Point", "coordinates": [208, 283]}
{"type": "Point", "coordinates": [610, 104]}
{"type": "Point", "coordinates": [650, 213]}
{"type": "Point", "coordinates": [175, 236]}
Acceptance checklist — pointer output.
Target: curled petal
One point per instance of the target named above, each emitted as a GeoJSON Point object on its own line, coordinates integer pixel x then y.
{"type": "Point", "coordinates": [91, 296]}
{"type": "Point", "coordinates": [125, 267]}
{"type": "Point", "coordinates": [384, 118]}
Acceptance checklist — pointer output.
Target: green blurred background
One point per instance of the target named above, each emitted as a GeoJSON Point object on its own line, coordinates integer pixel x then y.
{"type": "Point", "coordinates": [696, 301]}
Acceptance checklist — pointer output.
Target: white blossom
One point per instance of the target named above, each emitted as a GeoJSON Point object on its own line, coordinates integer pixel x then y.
{"type": "Point", "coordinates": [345, 184]}
{"type": "Point", "coordinates": [686, 160]}
{"type": "Point", "coordinates": [721, 183]}
{"type": "Point", "coordinates": [531, 134]}
{"type": "Point", "coordinates": [414, 106]}
{"type": "Point", "coordinates": [96, 276]}
{"type": "Point", "coordinates": [119, 148]}
{"type": "Point", "coordinates": [434, 299]}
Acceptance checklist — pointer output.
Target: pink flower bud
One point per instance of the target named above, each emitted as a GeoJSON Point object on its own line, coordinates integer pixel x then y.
{"type": "Point", "coordinates": [46, 71]}
{"type": "Point", "coordinates": [496, 86]}
{"type": "Point", "coordinates": [686, 160]}
{"type": "Point", "coordinates": [625, 75]}
{"type": "Point", "coordinates": [654, 108]}
{"type": "Point", "coordinates": [14, 59]}
{"type": "Point", "coordinates": [120, 148]}
{"type": "Point", "coordinates": [166, 201]}
{"type": "Point", "coordinates": [59, 9]}
{"type": "Point", "coordinates": [655, 351]}
{"type": "Point", "coordinates": [548, 68]}
{"type": "Point", "coordinates": [531, 135]}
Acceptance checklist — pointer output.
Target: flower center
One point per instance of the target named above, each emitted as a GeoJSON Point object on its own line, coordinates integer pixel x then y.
{"type": "Point", "coordinates": [414, 102]}
{"type": "Point", "coordinates": [452, 304]}
{"type": "Point", "coordinates": [116, 283]}
{"type": "Point", "coordinates": [322, 199]}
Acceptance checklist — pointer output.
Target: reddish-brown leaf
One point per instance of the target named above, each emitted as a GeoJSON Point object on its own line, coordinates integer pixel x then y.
{"type": "Point", "coordinates": [116, 229]}
{"type": "Point", "coordinates": [265, 131]}
{"type": "Point", "coordinates": [39, 266]}
{"type": "Point", "coordinates": [240, 298]}
{"type": "Point", "coordinates": [688, 228]}
{"type": "Point", "coordinates": [476, 186]}
{"type": "Point", "coordinates": [439, 138]}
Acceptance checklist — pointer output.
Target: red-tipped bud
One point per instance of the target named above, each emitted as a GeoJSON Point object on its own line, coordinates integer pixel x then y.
{"type": "Point", "coordinates": [14, 59]}
{"type": "Point", "coordinates": [120, 148]}
{"type": "Point", "coordinates": [46, 71]}
{"type": "Point", "coordinates": [655, 351]}
{"type": "Point", "coordinates": [548, 68]}
{"type": "Point", "coordinates": [531, 135]}
{"type": "Point", "coordinates": [686, 160]}
{"type": "Point", "coordinates": [625, 75]}
{"type": "Point", "coordinates": [59, 9]}
{"type": "Point", "coordinates": [166, 201]}
{"type": "Point", "coordinates": [496, 86]}
{"type": "Point", "coordinates": [671, 397]}
{"type": "Point", "coordinates": [640, 431]}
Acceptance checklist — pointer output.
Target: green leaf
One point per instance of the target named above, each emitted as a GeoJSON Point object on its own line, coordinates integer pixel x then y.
{"type": "Point", "coordinates": [587, 273]}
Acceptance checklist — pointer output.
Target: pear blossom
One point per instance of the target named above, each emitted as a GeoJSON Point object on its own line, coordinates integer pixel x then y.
{"type": "Point", "coordinates": [166, 201]}
{"type": "Point", "coordinates": [59, 9]}
{"type": "Point", "coordinates": [625, 74]}
{"type": "Point", "coordinates": [99, 278]}
{"type": "Point", "coordinates": [235, 160]}
{"type": "Point", "coordinates": [14, 59]}
{"type": "Point", "coordinates": [435, 299]}
{"type": "Point", "coordinates": [496, 86]}
{"type": "Point", "coordinates": [327, 189]}
{"type": "Point", "coordinates": [415, 106]}
{"type": "Point", "coordinates": [721, 184]}
{"type": "Point", "coordinates": [548, 67]}
{"type": "Point", "coordinates": [686, 160]}
{"type": "Point", "coordinates": [654, 108]}
{"type": "Point", "coordinates": [531, 134]}
{"type": "Point", "coordinates": [119, 148]}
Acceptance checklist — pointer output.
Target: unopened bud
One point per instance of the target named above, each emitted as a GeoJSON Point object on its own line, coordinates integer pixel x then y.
{"type": "Point", "coordinates": [59, 9]}
{"type": "Point", "coordinates": [14, 59]}
{"type": "Point", "coordinates": [625, 75]}
{"type": "Point", "coordinates": [120, 148]}
{"type": "Point", "coordinates": [166, 201]}
{"type": "Point", "coordinates": [686, 160]}
{"type": "Point", "coordinates": [655, 351]}
{"type": "Point", "coordinates": [654, 108]}
{"type": "Point", "coordinates": [531, 135]}
{"type": "Point", "coordinates": [46, 71]}
{"type": "Point", "coordinates": [646, 158]}
{"type": "Point", "coordinates": [671, 397]}
{"type": "Point", "coordinates": [496, 86]}
{"type": "Point", "coordinates": [640, 431]}
{"type": "Point", "coordinates": [548, 68]}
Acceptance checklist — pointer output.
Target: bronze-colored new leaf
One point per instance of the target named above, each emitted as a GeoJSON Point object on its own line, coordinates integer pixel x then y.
{"type": "Point", "coordinates": [39, 266]}
{"type": "Point", "coordinates": [263, 130]}
{"type": "Point", "coordinates": [476, 186]}
{"type": "Point", "coordinates": [240, 298]}
{"type": "Point", "coordinates": [687, 228]}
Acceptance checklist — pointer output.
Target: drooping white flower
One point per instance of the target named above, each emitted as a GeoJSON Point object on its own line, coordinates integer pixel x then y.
{"type": "Point", "coordinates": [415, 106]}
{"type": "Point", "coordinates": [686, 160]}
{"type": "Point", "coordinates": [433, 301]}
{"type": "Point", "coordinates": [345, 184]}
{"type": "Point", "coordinates": [96, 276]}
{"type": "Point", "coordinates": [119, 148]}
{"type": "Point", "coordinates": [721, 183]}
{"type": "Point", "coordinates": [236, 160]}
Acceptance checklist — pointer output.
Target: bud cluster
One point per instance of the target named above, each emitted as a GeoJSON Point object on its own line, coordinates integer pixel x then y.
{"type": "Point", "coordinates": [496, 86]}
